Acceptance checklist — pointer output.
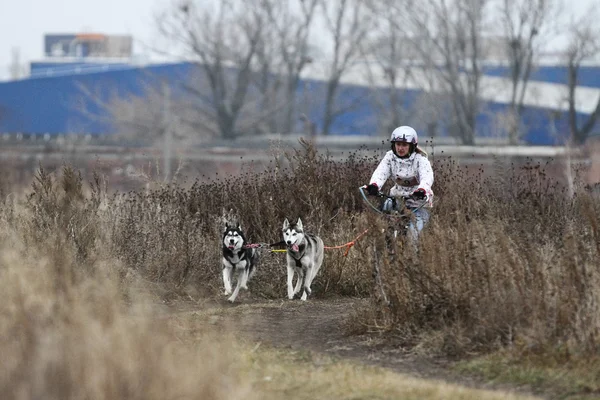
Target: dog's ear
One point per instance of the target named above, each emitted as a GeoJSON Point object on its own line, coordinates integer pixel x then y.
{"type": "Point", "coordinates": [299, 224]}
{"type": "Point", "coordinates": [286, 224]}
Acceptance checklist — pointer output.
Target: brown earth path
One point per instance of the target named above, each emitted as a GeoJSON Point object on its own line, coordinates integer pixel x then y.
{"type": "Point", "coordinates": [320, 325]}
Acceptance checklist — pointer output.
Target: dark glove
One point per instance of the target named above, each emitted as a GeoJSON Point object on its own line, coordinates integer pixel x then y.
{"type": "Point", "coordinates": [419, 194]}
{"type": "Point", "coordinates": [372, 189]}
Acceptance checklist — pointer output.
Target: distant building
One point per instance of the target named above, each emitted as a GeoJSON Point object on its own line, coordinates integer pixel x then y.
{"type": "Point", "coordinates": [88, 46]}
{"type": "Point", "coordinates": [74, 53]}
{"type": "Point", "coordinates": [49, 101]}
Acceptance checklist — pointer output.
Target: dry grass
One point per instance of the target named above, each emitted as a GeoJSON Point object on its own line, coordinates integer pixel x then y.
{"type": "Point", "coordinates": [78, 340]}
{"type": "Point", "coordinates": [551, 372]}
{"type": "Point", "coordinates": [74, 325]}
{"type": "Point", "coordinates": [280, 374]}
{"type": "Point", "coordinates": [508, 261]}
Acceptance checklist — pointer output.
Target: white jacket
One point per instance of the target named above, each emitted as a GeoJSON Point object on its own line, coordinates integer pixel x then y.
{"type": "Point", "coordinates": [409, 174]}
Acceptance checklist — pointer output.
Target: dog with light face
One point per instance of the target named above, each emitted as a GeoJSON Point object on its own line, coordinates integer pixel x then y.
{"type": "Point", "coordinates": [238, 260]}
{"type": "Point", "coordinates": [304, 255]}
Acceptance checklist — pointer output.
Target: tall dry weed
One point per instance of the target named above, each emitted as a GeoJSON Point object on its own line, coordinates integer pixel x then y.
{"type": "Point", "coordinates": [172, 235]}
{"type": "Point", "coordinates": [78, 325]}
{"type": "Point", "coordinates": [74, 341]}
{"type": "Point", "coordinates": [508, 259]}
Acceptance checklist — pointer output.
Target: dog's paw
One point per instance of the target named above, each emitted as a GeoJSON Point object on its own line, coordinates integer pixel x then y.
{"type": "Point", "coordinates": [227, 293]}
{"type": "Point", "coordinates": [231, 299]}
{"type": "Point", "coordinates": [245, 287]}
{"type": "Point", "coordinates": [304, 296]}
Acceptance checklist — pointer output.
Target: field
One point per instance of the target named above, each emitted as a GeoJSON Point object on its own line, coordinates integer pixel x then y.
{"type": "Point", "coordinates": [117, 294]}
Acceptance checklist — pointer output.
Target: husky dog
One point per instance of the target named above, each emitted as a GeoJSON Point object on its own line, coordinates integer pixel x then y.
{"type": "Point", "coordinates": [304, 256]}
{"type": "Point", "coordinates": [237, 259]}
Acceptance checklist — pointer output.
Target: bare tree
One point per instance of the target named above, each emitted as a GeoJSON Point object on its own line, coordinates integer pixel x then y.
{"type": "Point", "coordinates": [347, 25]}
{"type": "Point", "coordinates": [396, 65]}
{"type": "Point", "coordinates": [448, 34]}
{"type": "Point", "coordinates": [584, 44]}
{"type": "Point", "coordinates": [526, 25]}
{"type": "Point", "coordinates": [268, 83]}
{"type": "Point", "coordinates": [388, 65]}
{"type": "Point", "coordinates": [143, 115]}
{"type": "Point", "coordinates": [290, 23]}
{"type": "Point", "coordinates": [223, 38]}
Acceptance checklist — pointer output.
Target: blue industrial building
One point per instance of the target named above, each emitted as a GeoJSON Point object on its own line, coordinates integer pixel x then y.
{"type": "Point", "coordinates": [48, 102]}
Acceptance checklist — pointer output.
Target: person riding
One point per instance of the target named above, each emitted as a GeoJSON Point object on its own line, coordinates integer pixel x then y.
{"type": "Point", "coordinates": [411, 171]}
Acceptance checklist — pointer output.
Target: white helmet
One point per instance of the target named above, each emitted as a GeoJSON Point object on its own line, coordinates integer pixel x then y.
{"type": "Point", "coordinates": [406, 134]}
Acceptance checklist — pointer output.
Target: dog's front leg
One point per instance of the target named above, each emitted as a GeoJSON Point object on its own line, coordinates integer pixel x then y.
{"type": "Point", "coordinates": [243, 275]}
{"type": "Point", "coordinates": [227, 270]}
{"type": "Point", "coordinates": [306, 291]}
{"type": "Point", "coordinates": [246, 276]}
{"type": "Point", "coordinates": [301, 278]}
{"type": "Point", "coordinates": [310, 275]}
{"type": "Point", "coordinates": [290, 277]}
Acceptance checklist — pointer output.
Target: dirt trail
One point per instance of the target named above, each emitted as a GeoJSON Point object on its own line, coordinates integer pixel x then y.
{"type": "Point", "coordinates": [318, 325]}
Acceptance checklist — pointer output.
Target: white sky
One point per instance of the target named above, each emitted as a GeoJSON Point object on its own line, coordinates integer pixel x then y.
{"type": "Point", "coordinates": [23, 23]}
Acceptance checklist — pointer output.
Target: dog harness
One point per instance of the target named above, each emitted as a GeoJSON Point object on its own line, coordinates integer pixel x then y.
{"type": "Point", "coordinates": [242, 254]}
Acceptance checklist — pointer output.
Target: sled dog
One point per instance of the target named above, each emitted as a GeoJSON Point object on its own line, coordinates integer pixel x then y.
{"type": "Point", "coordinates": [237, 260]}
{"type": "Point", "coordinates": [304, 257]}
